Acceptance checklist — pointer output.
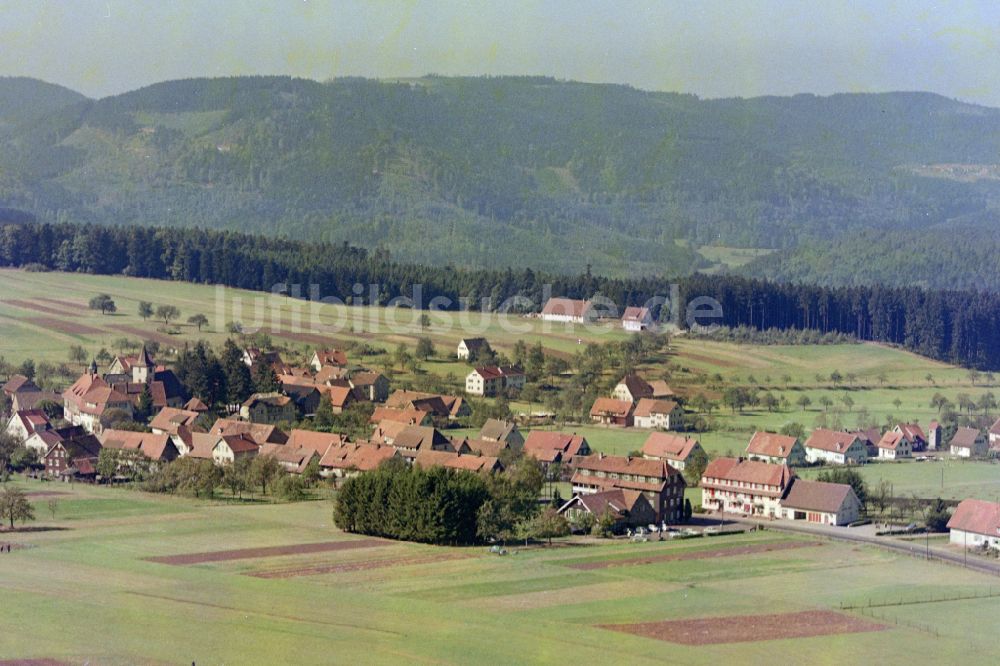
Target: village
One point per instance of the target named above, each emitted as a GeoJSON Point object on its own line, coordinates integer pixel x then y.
{"type": "Point", "coordinates": [135, 417]}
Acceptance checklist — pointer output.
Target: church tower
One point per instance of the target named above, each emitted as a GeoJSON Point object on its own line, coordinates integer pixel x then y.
{"type": "Point", "coordinates": [143, 369]}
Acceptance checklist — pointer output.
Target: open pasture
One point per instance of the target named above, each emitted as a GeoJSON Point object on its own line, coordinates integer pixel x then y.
{"type": "Point", "coordinates": [456, 605]}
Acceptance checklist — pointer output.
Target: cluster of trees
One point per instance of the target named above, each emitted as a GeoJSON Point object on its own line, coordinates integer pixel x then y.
{"type": "Point", "coordinates": [223, 378]}
{"type": "Point", "coordinates": [201, 478]}
{"type": "Point", "coordinates": [445, 506]}
{"type": "Point", "coordinates": [959, 327]}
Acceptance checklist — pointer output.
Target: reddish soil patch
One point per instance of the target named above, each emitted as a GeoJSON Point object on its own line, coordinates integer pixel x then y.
{"type": "Point", "coordinates": [695, 555]}
{"type": "Point", "coordinates": [73, 306]}
{"type": "Point", "coordinates": [268, 551]}
{"type": "Point", "coordinates": [366, 565]}
{"type": "Point", "coordinates": [748, 628]}
{"type": "Point", "coordinates": [162, 338]}
{"type": "Point", "coordinates": [62, 326]}
{"type": "Point", "coordinates": [38, 307]}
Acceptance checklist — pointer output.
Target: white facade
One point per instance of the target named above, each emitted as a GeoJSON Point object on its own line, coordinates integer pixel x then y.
{"type": "Point", "coordinates": [973, 539]}
{"type": "Point", "coordinates": [849, 512]}
{"type": "Point", "coordinates": [854, 454]}
{"type": "Point", "coordinates": [902, 450]}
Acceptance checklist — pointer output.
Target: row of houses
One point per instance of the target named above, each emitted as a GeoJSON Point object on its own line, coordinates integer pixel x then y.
{"type": "Point", "coordinates": [570, 310]}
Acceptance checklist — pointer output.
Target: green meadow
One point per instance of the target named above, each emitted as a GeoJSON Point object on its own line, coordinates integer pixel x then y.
{"type": "Point", "coordinates": [83, 590]}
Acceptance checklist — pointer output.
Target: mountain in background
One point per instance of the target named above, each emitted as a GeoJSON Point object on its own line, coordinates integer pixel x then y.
{"type": "Point", "coordinates": [517, 171]}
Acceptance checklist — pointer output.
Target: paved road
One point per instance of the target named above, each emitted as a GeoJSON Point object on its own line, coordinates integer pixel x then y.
{"type": "Point", "coordinates": [855, 535]}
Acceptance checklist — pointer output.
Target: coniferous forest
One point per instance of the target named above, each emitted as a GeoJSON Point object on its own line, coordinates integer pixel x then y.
{"type": "Point", "coordinates": [955, 326]}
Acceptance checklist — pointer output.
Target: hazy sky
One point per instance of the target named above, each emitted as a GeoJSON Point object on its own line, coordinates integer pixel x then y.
{"type": "Point", "coordinates": [713, 49]}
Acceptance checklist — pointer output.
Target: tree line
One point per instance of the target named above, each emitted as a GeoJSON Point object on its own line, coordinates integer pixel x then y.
{"type": "Point", "coordinates": [955, 326]}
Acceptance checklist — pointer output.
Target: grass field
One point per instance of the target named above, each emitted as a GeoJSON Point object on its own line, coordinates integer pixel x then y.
{"type": "Point", "coordinates": [85, 591]}
{"type": "Point", "coordinates": [947, 479]}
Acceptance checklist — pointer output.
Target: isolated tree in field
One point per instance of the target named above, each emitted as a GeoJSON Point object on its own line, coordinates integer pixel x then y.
{"type": "Point", "coordinates": [803, 401]}
{"type": "Point", "coordinates": [167, 313]}
{"type": "Point", "coordinates": [103, 356]}
{"type": "Point", "coordinates": [882, 378]}
{"type": "Point", "coordinates": [836, 377]}
{"type": "Point", "coordinates": [848, 401]}
{"type": "Point", "coordinates": [787, 379]}
{"type": "Point", "coordinates": [929, 377]}
{"type": "Point", "coordinates": [77, 354]}
{"type": "Point", "coordinates": [145, 310]}
{"type": "Point", "coordinates": [973, 376]}
{"type": "Point", "coordinates": [14, 506]}
{"type": "Point", "coordinates": [425, 320]}
{"type": "Point", "coordinates": [104, 303]}
{"type": "Point", "coordinates": [27, 368]}
{"type": "Point", "coordinates": [851, 378]}
{"type": "Point", "coordinates": [987, 402]}
{"type": "Point", "coordinates": [897, 403]}
{"type": "Point", "coordinates": [401, 356]}
{"type": "Point", "coordinates": [53, 506]}
{"type": "Point", "coordinates": [425, 349]}
{"type": "Point", "coordinates": [548, 524]}
{"type": "Point", "coordinates": [198, 320]}
{"type": "Point", "coordinates": [826, 401]}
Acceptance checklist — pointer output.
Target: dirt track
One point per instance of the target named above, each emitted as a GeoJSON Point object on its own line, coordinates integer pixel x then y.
{"type": "Point", "coordinates": [752, 549]}
{"type": "Point", "coordinates": [267, 551]}
{"type": "Point", "coordinates": [749, 628]}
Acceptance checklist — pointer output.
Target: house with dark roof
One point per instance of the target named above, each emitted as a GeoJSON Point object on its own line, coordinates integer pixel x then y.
{"type": "Point", "coordinates": [493, 380]}
{"type": "Point", "coordinates": [324, 357]}
{"type": "Point", "coordinates": [44, 439]}
{"type": "Point", "coordinates": [631, 388]}
{"type": "Point", "coordinates": [676, 450]}
{"type": "Point", "coordinates": [839, 448]}
{"type": "Point", "coordinates": [636, 319]}
{"type": "Point", "coordinates": [470, 348]}
{"type": "Point", "coordinates": [19, 384]}
{"type": "Point", "coordinates": [412, 439]}
{"type": "Point", "coordinates": [975, 523]}
{"type": "Point", "coordinates": [821, 503]}
{"type": "Point", "coordinates": [74, 456]}
{"type": "Point", "coordinates": [662, 484]}
{"type": "Point", "coordinates": [370, 386]}
{"type": "Point", "coordinates": [24, 400]}
{"type": "Point", "coordinates": [628, 508]}
{"type": "Point", "coordinates": [568, 310]}
{"type": "Point", "coordinates": [914, 435]}
{"type": "Point", "coordinates": [454, 460]}
{"type": "Point", "coordinates": [747, 487]}
{"type": "Point", "coordinates": [608, 411]}
{"type": "Point", "coordinates": [229, 448]}
{"type": "Point", "coordinates": [499, 430]}
{"type": "Point", "coordinates": [776, 449]}
{"type": "Point", "coordinates": [968, 443]}
{"type": "Point", "coordinates": [269, 408]}
{"type": "Point", "coordinates": [23, 424]}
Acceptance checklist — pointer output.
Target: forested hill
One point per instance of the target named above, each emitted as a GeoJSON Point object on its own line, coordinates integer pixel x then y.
{"type": "Point", "coordinates": [515, 171]}
{"type": "Point", "coordinates": [961, 327]}
{"type": "Point", "coordinates": [23, 99]}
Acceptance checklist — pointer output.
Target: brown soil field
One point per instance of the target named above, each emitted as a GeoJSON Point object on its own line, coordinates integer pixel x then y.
{"type": "Point", "coordinates": [268, 551]}
{"type": "Point", "coordinates": [694, 555]}
{"type": "Point", "coordinates": [72, 306]}
{"type": "Point", "coordinates": [748, 628]}
{"type": "Point", "coordinates": [366, 565]}
{"type": "Point", "coordinates": [63, 326]}
{"type": "Point", "coordinates": [38, 307]}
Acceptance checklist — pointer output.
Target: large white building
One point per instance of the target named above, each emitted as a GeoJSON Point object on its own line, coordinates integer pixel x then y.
{"type": "Point", "coordinates": [568, 309]}
{"type": "Point", "coordinates": [975, 523]}
{"type": "Point", "coordinates": [839, 448]}
{"type": "Point", "coordinates": [493, 380]}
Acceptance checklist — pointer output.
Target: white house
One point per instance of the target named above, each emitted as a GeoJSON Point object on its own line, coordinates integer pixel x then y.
{"type": "Point", "coordinates": [975, 523]}
{"type": "Point", "coordinates": [968, 443]}
{"type": "Point", "coordinates": [24, 423]}
{"type": "Point", "coordinates": [469, 347]}
{"type": "Point", "coordinates": [493, 380]}
{"type": "Point", "coordinates": [822, 503]}
{"type": "Point", "coordinates": [230, 447]}
{"type": "Point", "coordinates": [750, 487]}
{"type": "Point", "coordinates": [894, 445]}
{"type": "Point", "coordinates": [661, 414]}
{"type": "Point", "coordinates": [637, 319]}
{"type": "Point", "coordinates": [776, 449]}
{"type": "Point", "coordinates": [840, 448]}
{"type": "Point", "coordinates": [568, 309]}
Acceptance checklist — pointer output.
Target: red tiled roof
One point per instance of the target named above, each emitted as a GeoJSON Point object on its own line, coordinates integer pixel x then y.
{"type": "Point", "coordinates": [965, 438]}
{"type": "Point", "coordinates": [566, 307]}
{"type": "Point", "coordinates": [666, 445]}
{"type": "Point", "coordinates": [657, 469]}
{"type": "Point", "coordinates": [830, 440]}
{"type": "Point", "coordinates": [469, 463]}
{"type": "Point", "coordinates": [19, 383]}
{"type": "Point", "coordinates": [978, 516]}
{"type": "Point", "coordinates": [169, 419]}
{"type": "Point", "coordinates": [331, 357]}
{"type": "Point", "coordinates": [538, 441]}
{"type": "Point", "coordinates": [495, 371]}
{"type": "Point", "coordinates": [259, 432]}
{"type": "Point", "coordinates": [817, 495]}
{"type": "Point", "coordinates": [151, 445]}
{"type": "Point", "coordinates": [891, 440]}
{"type": "Point", "coordinates": [312, 440]}
{"type": "Point", "coordinates": [240, 443]}
{"type": "Point", "coordinates": [611, 407]}
{"type": "Point", "coordinates": [648, 406]}
{"type": "Point", "coordinates": [32, 420]}
{"type": "Point", "coordinates": [730, 470]}
{"type": "Point", "coordinates": [771, 444]}
{"type": "Point", "coordinates": [408, 416]}
{"type": "Point", "coordinates": [636, 314]}
{"type": "Point", "coordinates": [913, 432]}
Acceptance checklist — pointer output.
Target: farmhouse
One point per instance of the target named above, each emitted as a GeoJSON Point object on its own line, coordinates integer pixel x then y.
{"type": "Point", "coordinates": [439, 406]}
{"type": "Point", "coordinates": [480, 447]}
{"type": "Point", "coordinates": [452, 460]}
{"type": "Point", "coordinates": [370, 386]}
{"type": "Point", "coordinates": [261, 433]}
{"type": "Point", "coordinates": [349, 459]}
{"type": "Point", "coordinates": [470, 348]}
{"type": "Point", "coordinates": [628, 508]}
{"type": "Point", "coordinates": [662, 414]}
{"type": "Point", "coordinates": [819, 502]}
{"type": "Point", "coordinates": [304, 393]}
{"type": "Point", "coordinates": [661, 389]}
{"type": "Point", "coordinates": [156, 447]}
{"type": "Point", "coordinates": [229, 448]}
{"type": "Point", "coordinates": [497, 430]}
{"type": "Point", "coordinates": [323, 357]}
{"type": "Point", "coordinates": [636, 319]}
{"type": "Point", "coordinates": [73, 456]}
{"type": "Point", "coordinates": [412, 439]}
{"type": "Point", "coordinates": [23, 424]}
{"type": "Point", "coordinates": [44, 439]}
{"type": "Point", "coordinates": [894, 445]}
{"type": "Point", "coordinates": [19, 384]}
{"type": "Point", "coordinates": [407, 416]}
{"type": "Point", "coordinates": [25, 400]}
{"type": "Point", "coordinates": [674, 449]}
{"type": "Point", "coordinates": [749, 487]}
{"type": "Point", "coordinates": [829, 446]}
{"type": "Point", "coordinates": [914, 434]}
{"type": "Point", "coordinates": [609, 411]}
{"type": "Point", "coordinates": [492, 380]}
{"type": "Point", "coordinates": [631, 387]}
{"type": "Point", "coordinates": [292, 459]}
{"type": "Point", "coordinates": [253, 356]}
{"type": "Point", "coordinates": [968, 443]}
{"type": "Point", "coordinates": [268, 408]}
{"type": "Point", "coordinates": [550, 446]}
{"type": "Point", "coordinates": [318, 442]}
{"type": "Point", "coordinates": [661, 483]}
{"type": "Point", "coordinates": [568, 309]}
{"type": "Point", "coordinates": [89, 398]}
{"type": "Point", "coordinates": [975, 523]}
{"type": "Point", "coordinates": [169, 419]}
{"type": "Point", "coordinates": [776, 449]}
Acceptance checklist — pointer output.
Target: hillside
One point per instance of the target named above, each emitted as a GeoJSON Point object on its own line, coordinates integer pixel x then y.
{"type": "Point", "coordinates": [496, 172]}
{"type": "Point", "coordinates": [23, 99]}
